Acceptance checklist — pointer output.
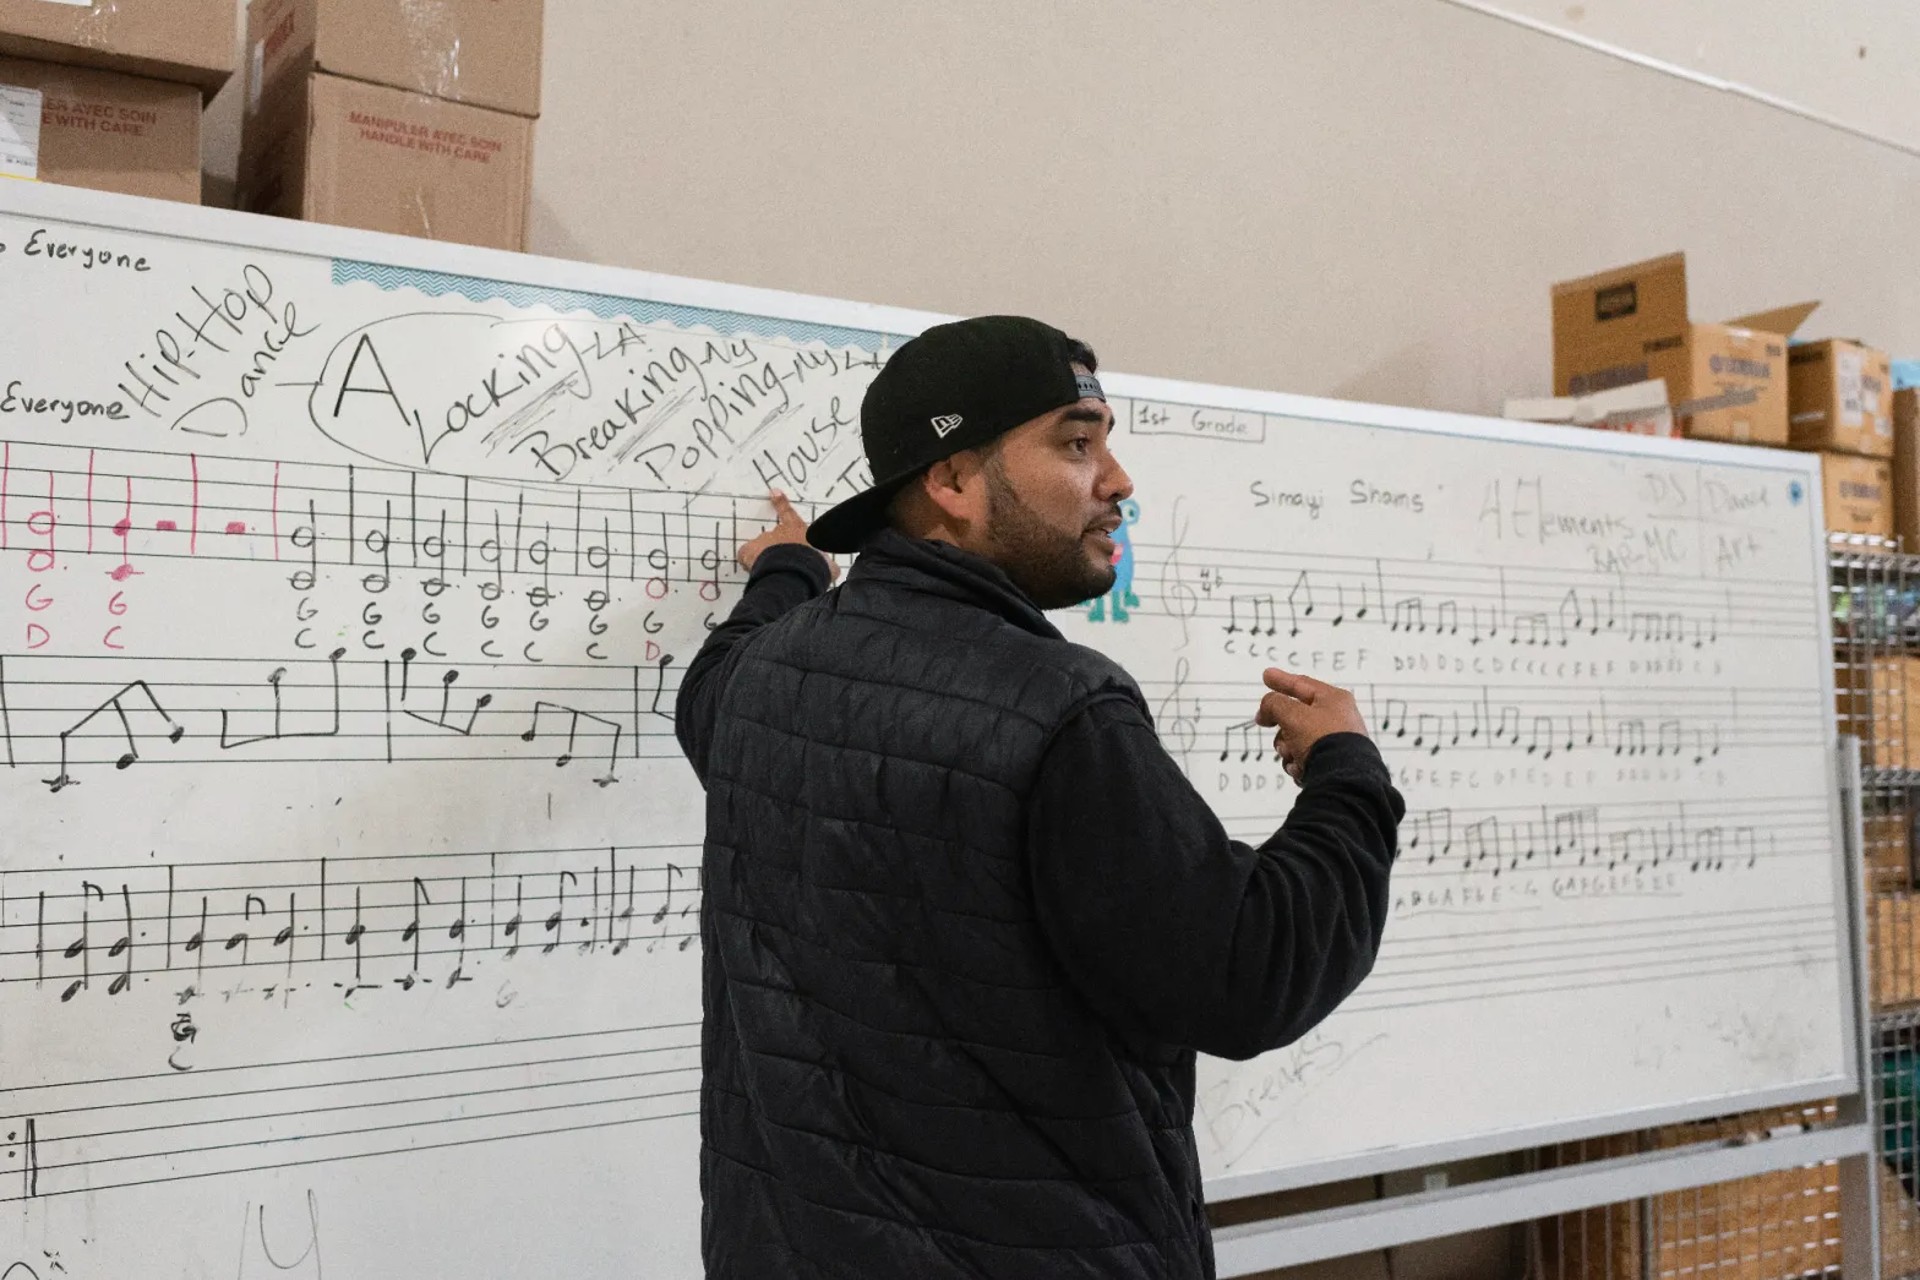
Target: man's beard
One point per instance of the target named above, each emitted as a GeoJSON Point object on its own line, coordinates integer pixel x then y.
{"type": "Point", "coordinates": [1052, 567]}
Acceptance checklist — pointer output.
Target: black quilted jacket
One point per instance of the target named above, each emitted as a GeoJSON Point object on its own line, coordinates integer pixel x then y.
{"type": "Point", "coordinates": [954, 980]}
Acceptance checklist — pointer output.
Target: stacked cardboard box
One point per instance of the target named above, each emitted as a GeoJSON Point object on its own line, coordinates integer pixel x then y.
{"type": "Point", "coordinates": [1906, 467]}
{"type": "Point", "coordinates": [1840, 398]}
{"type": "Point", "coordinates": [1743, 382]}
{"type": "Point", "coordinates": [407, 116]}
{"type": "Point", "coordinates": [1889, 855]}
{"type": "Point", "coordinates": [109, 96]}
{"type": "Point", "coordinates": [1899, 1225]}
{"type": "Point", "coordinates": [1840, 395]}
{"type": "Point", "coordinates": [1728, 381]}
{"type": "Point", "coordinates": [1761, 1228]}
{"type": "Point", "coordinates": [1896, 951]}
{"type": "Point", "coordinates": [1876, 699]}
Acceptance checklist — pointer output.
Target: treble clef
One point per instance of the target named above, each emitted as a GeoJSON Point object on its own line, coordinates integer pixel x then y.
{"type": "Point", "coordinates": [1182, 729]}
{"type": "Point", "coordinates": [1183, 602]}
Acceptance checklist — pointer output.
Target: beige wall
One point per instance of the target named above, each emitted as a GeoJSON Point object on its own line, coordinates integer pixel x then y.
{"type": "Point", "coordinates": [1359, 198]}
{"type": "Point", "coordinates": [1363, 198]}
{"type": "Point", "coordinates": [1852, 61]}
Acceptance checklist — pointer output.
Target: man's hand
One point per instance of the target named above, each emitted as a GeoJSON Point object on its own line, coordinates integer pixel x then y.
{"type": "Point", "coordinates": [788, 528]}
{"type": "Point", "coordinates": [1304, 710]}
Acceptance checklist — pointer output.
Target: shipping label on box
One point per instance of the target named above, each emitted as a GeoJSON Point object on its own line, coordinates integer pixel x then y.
{"type": "Point", "coordinates": [113, 132]}
{"type": "Point", "coordinates": [19, 132]}
{"type": "Point", "coordinates": [1841, 398]}
{"type": "Point", "coordinates": [1858, 494]}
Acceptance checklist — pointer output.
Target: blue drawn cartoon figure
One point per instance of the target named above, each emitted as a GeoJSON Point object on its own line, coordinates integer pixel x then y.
{"type": "Point", "coordinates": [1122, 594]}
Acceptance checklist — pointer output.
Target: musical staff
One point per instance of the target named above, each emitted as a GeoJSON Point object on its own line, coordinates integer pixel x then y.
{"type": "Point", "coordinates": [1270, 594]}
{"type": "Point", "coordinates": [1649, 835]}
{"type": "Point", "coordinates": [1478, 892]}
{"type": "Point", "coordinates": [333, 709]}
{"type": "Point", "coordinates": [386, 521]}
{"type": "Point", "coordinates": [1683, 724]}
{"type": "Point", "coordinates": [344, 923]}
{"type": "Point", "coordinates": [116, 1131]}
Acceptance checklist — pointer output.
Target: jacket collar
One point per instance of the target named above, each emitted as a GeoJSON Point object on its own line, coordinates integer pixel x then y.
{"type": "Point", "coordinates": [944, 570]}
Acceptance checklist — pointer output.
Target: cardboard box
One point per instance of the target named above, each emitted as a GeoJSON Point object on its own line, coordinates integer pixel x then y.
{"type": "Point", "coordinates": [1899, 1225]}
{"type": "Point", "coordinates": [1639, 409]}
{"type": "Point", "coordinates": [1728, 381]}
{"type": "Point", "coordinates": [1906, 467]}
{"type": "Point", "coordinates": [1765, 1227]}
{"type": "Point", "coordinates": [1859, 494]}
{"type": "Point", "coordinates": [1889, 855]}
{"type": "Point", "coordinates": [1876, 701]}
{"type": "Point", "coordinates": [107, 131]}
{"type": "Point", "coordinates": [1896, 950]}
{"type": "Point", "coordinates": [362, 155]}
{"type": "Point", "coordinates": [485, 53]}
{"type": "Point", "coordinates": [1840, 398]}
{"type": "Point", "coordinates": [189, 41]}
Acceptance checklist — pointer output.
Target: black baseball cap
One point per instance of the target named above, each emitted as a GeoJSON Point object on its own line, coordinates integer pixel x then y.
{"type": "Point", "coordinates": [957, 386]}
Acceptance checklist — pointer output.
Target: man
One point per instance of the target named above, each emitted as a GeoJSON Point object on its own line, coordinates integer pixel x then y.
{"type": "Point", "coordinates": [966, 922]}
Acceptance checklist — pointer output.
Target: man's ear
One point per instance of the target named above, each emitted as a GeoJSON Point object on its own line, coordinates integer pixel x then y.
{"type": "Point", "coordinates": [949, 484]}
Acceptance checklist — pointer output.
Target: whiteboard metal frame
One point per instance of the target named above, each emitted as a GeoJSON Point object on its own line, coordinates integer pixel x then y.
{"type": "Point", "coordinates": [1432, 1215]}
{"type": "Point", "coordinates": [1860, 1173]}
{"type": "Point", "coordinates": [118, 214]}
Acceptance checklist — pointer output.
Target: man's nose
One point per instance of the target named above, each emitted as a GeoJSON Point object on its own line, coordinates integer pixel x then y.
{"type": "Point", "coordinates": [1115, 484]}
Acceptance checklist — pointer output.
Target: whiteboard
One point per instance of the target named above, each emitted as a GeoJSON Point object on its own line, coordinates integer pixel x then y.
{"type": "Point", "coordinates": [349, 896]}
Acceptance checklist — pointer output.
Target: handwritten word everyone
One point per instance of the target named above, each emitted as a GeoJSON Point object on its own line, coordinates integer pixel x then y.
{"type": "Point", "coordinates": [85, 256]}
{"type": "Point", "coordinates": [14, 399]}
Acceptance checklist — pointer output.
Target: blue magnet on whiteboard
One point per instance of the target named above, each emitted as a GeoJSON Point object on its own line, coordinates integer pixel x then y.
{"type": "Point", "coordinates": [1795, 492]}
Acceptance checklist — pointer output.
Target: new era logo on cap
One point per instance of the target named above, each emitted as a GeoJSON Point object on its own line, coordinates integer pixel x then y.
{"type": "Point", "coordinates": [946, 424]}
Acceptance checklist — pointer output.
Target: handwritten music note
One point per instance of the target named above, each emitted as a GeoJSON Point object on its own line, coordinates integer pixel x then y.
{"type": "Point", "coordinates": [1299, 604]}
{"type": "Point", "coordinates": [444, 718]}
{"type": "Point", "coordinates": [1434, 829]}
{"type": "Point", "coordinates": [279, 732]}
{"type": "Point", "coordinates": [573, 726]}
{"type": "Point", "coordinates": [659, 689]}
{"type": "Point", "coordinates": [1256, 607]}
{"type": "Point", "coordinates": [1244, 734]}
{"type": "Point", "coordinates": [64, 779]}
